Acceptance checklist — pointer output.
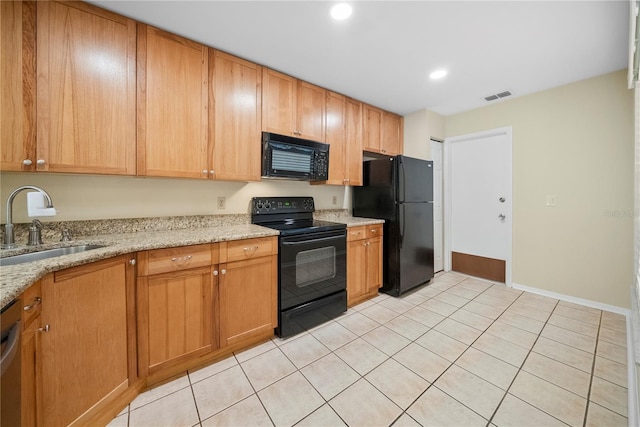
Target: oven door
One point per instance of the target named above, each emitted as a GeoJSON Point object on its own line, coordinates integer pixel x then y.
{"type": "Point", "coordinates": [312, 266]}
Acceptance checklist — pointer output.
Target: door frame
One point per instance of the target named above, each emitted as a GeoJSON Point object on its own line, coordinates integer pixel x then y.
{"type": "Point", "coordinates": [447, 169]}
{"type": "Point", "coordinates": [438, 245]}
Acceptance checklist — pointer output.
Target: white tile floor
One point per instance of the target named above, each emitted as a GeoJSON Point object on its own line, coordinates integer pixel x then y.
{"type": "Point", "coordinates": [459, 351]}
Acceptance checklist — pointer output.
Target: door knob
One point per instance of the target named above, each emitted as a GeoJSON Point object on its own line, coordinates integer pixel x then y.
{"type": "Point", "coordinates": [502, 217]}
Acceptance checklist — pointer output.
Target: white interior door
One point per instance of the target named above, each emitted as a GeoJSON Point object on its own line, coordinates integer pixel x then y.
{"type": "Point", "coordinates": [478, 207]}
{"type": "Point", "coordinates": [438, 225]}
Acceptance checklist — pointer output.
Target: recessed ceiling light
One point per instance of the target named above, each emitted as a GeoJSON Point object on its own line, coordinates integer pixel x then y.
{"type": "Point", "coordinates": [341, 11]}
{"type": "Point", "coordinates": [438, 74]}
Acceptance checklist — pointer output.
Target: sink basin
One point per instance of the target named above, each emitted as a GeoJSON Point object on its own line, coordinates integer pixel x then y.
{"type": "Point", "coordinates": [50, 253]}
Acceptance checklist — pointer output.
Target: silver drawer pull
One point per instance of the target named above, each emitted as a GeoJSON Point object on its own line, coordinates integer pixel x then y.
{"type": "Point", "coordinates": [36, 302]}
{"type": "Point", "coordinates": [254, 248]}
{"type": "Point", "coordinates": [182, 259]}
{"type": "Point", "coordinates": [45, 328]}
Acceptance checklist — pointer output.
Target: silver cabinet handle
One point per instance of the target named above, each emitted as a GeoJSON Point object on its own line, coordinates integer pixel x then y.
{"type": "Point", "coordinates": [215, 272]}
{"type": "Point", "coordinates": [132, 262]}
{"type": "Point", "coordinates": [36, 302]}
{"type": "Point", "coordinates": [254, 248]}
{"type": "Point", "coordinates": [212, 172]}
{"type": "Point", "coordinates": [502, 216]}
{"type": "Point", "coordinates": [27, 162]}
{"type": "Point", "coordinates": [181, 259]}
{"type": "Point", "coordinates": [45, 328]}
{"type": "Point", "coordinates": [223, 271]}
{"type": "Point", "coordinates": [40, 162]}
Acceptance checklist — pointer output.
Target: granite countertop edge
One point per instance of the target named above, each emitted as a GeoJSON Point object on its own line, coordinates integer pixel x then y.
{"type": "Point", "coordinates": [15, 279]}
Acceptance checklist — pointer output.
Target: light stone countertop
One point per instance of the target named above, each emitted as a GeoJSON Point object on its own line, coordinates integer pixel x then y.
{"type": "Point", "coordinates": [15, 279]}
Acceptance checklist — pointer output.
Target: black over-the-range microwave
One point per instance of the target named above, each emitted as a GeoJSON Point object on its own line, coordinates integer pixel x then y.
{"type": "Point", "coordinates": [294, 158]}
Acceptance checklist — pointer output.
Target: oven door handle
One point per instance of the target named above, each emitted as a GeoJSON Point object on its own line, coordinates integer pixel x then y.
{"type": "Point", "coordinates": [306, 242]}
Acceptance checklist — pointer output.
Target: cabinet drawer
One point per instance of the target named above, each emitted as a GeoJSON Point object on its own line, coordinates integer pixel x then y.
{"type": "Point", "coordinates": [238, 250]}
{"type": "Point", "coordinates": [356, 233]}
{"type": "Point", "coordinates": [374, 230]}
{"type": "Point", "coordinates": [31, 303]}
{"type": "Point", "coordinates": [175, 259]}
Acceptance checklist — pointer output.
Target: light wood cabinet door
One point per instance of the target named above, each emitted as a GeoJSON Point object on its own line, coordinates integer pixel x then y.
{"type": "Point", "coordinates": [391, 134]}
{"type": "Point", "coordinates": [364, 262]}
{"type": "Point", "coordinates": [172, 105]}
{"type": "Point", "coordinates": [235, 112]}
{"type": "Point", "coordinates": [374, 264]}
{"type": "Point", "coordinates": [31, 374]}
{"type": "Point", "coordinates": [86, 97]}
{"type": "Point", "coordinates": [248, 299]}
{"type": "Point", "coordinates": [18, 86]}
{"type": "Point", "coordinates": [335, 137]}
{"type": "Point", "coordinates": [372, 129]}
{"type": "Point", "coordinates": [356, 270]}
{"type": "Point", "coordinates": [87, 310]}
{"type": "Point", "coordinates": [353, 142]}
{"type": "Point", "coordinates": [31, 356]}
{"type": "Point", "coordinates": [278, 102]}
{"type": "Point", "coordinates": [176, 316]}
{"type": "Point", "coordinates": [310, 111]}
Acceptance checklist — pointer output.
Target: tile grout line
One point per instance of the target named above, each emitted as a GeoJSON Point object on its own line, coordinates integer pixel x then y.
{"type": "Point", "coordinates": [520, 370]}
{"type": "Point", "coordinates": [432, 384]}
{"type": "Point", "coordinates": [593, 369]}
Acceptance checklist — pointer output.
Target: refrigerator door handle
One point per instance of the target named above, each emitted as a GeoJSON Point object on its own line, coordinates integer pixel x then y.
{"type": "Point", "coordinates": [402, 177]}
{"type": "Point", "coordinates": [402, 222]}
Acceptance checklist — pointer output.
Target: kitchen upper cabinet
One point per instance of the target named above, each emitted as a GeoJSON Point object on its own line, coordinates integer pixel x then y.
{"type": "Point", "coordinates": [292, 107]}
{"type": "Point", "coordinates": [235, 112]}
{"type": "Point", "coordinates": [392, 134]}
{"type": "Point", "coordinates": [344, 135]}
{"type": "Point", "coordinates": [248, 290]}
{"type": "Point", "coordinates": [88, 357]}
{"type": "Point", "coordinates": [86, 90]}
{"type": "Point", "coordinates": [382, 131]}
{"type": "Point", "coordinates": [364, 262]}
{"type": "Point", "coordinates": [372, 129]}
{"type": "Point", "coordinates": [172, 105]}
{"type": "Point", "coordinates": [18, 86]}
{"type": "Point", "coordinates": [177, 300]}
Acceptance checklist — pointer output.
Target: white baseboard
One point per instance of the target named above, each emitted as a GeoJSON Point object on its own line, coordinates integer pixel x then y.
{"type": "Point", "coordinates": [575, 300]}
{"type": "Point", "coordinates": [632, 379]}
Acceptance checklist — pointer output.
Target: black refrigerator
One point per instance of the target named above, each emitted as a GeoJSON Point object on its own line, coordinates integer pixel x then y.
{"type": "Point", "coordinates": [400, 190]}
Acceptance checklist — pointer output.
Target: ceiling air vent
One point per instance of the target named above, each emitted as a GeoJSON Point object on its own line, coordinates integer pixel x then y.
{"type": "Point", "coordinates": [497, 96]}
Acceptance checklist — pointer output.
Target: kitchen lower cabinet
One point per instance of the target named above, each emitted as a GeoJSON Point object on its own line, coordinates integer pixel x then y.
{"type": "Point", "coordinates": [86, 341]}
{"type": "Point", "coordinates": [248, 289]}
{"type": "Point", "coordinates": [31, 375]}
{"type": "Point", "coordinates": [364, 262]}
{"type": "Point", "coordinates": [176, 305]}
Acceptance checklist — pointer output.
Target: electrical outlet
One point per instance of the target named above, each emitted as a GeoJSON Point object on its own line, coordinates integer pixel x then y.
{"type": "Point", "coordinates": [221, 201]}
{"type": "Point", "coordinates": [335, 200]}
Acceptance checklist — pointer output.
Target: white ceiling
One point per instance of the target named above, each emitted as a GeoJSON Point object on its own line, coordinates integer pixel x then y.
{"type": "Point", "coordinates": [383, 54]}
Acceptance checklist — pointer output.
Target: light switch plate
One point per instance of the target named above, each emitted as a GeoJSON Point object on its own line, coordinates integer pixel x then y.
{"type": "Point", "coordinates": [551, 200]}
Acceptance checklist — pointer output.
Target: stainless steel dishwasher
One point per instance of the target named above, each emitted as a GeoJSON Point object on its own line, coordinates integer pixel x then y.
{"type": "Point", "coordinates": [10, 364]}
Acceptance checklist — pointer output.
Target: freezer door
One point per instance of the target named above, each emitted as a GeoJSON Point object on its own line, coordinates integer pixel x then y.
{"type": "Point", "coordinates": [414, 179]}
{"type": "Point", "coordinates": [415, 226]}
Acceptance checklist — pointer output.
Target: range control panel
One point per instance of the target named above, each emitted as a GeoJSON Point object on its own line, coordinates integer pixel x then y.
{"type": "Point", "coordinates": [272, 205]}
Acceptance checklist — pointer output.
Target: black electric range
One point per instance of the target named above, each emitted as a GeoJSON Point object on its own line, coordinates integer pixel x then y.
{"type": "Point", "coordinates": [312, 278]}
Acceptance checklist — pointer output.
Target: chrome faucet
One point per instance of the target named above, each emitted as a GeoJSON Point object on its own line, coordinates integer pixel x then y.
{"type": "Point", "coordinates": [9, 241]}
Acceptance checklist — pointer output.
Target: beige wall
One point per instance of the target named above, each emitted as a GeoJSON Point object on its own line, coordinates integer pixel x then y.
{"type": "Point", "coordinates": [419, 128]}
{"type": "Point", "coordinates": [81, 197]}
{"type": "Point", "coordinates": [575, 142]}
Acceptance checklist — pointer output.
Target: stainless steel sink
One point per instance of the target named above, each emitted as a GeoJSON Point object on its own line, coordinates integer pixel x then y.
{"type": "Point", "coordinates": [50, 253]}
